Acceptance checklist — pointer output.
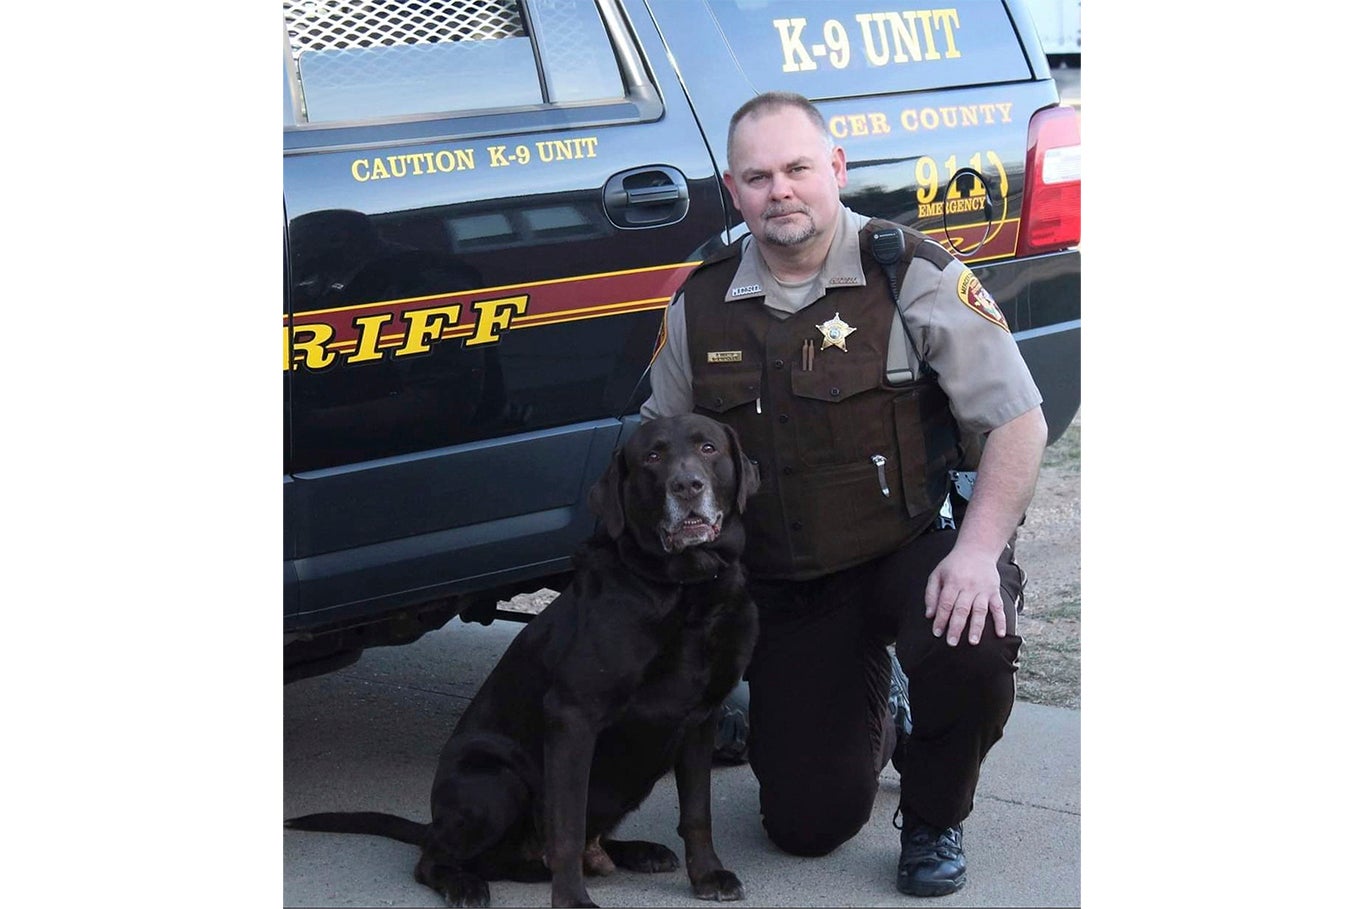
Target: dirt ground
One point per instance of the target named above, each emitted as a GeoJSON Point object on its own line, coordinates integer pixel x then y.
{"type": "Point", "coordinates": [1049, 551]}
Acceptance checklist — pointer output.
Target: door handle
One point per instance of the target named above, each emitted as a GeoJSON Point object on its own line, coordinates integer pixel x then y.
{"type": "Point", "coordinates": [646, 197]}
{"type": "Point", "coordinates": [652, 195]}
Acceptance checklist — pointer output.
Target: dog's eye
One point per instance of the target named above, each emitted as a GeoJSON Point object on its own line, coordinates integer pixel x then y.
{"type": "Point", "coordinates": [708, 448]}
{"type": "Point", "coordinates": [652, 457]}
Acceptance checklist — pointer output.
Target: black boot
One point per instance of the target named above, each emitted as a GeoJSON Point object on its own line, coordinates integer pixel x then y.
{"type": "Point", "coordinates": [932, 862]}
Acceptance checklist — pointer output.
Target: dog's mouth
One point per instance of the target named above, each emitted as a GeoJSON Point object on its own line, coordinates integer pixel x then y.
{"type": "Point", "coordinates": [693, 530]}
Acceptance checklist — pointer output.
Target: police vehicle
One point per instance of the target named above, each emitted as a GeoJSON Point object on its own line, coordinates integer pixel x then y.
{"type": "Point", "coordinates": [488, 204]}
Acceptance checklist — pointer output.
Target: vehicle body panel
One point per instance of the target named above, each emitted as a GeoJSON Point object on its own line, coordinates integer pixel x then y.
{"type": "Point", "coordinates": [454, 367]}
{"type": "Point", "coordinates": [472, 298]}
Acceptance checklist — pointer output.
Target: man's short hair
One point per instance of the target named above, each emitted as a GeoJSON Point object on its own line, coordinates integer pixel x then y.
{"type": "Point", "coordinates": [772, 101]}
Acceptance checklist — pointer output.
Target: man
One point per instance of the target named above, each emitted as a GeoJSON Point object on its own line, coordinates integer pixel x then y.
{"type": "Point", "coordinates": [855, 414]}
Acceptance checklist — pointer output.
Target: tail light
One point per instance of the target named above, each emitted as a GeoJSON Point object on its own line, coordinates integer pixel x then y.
{"type": "Point", "coordinates": [1051, 184]}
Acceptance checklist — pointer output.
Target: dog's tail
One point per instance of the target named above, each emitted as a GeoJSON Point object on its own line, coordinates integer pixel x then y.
{"type": "Point", "coordinates": [370, 822]}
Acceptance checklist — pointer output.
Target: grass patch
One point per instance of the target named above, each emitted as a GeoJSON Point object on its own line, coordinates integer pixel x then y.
{"type": "Point", "coordinates": [1068, 608]}
{"type": "Point", "coordinates": [1064, 453]}
{"type": "Point", "coordinates": [1049, 671]}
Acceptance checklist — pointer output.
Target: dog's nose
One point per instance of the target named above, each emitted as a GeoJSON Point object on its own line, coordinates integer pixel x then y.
{"type": "Point", "coordinates": [686, 485]}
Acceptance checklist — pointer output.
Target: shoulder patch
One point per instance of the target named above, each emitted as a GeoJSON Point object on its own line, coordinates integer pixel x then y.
{"type": "Point", "coordinates": [975, 296]}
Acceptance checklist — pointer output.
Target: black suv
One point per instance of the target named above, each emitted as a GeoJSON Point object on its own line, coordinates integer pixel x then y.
{"type": "Point", "coordinates": [488, 204]}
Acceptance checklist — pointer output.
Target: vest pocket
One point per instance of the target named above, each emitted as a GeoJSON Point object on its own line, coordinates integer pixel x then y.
{"type": "Point", "coordinates": [927, 435]}
{"type": "Point", "coordinates": [826, 520]}
{"type": "Point", "coordinates": [724, 392]}
{"type": "Point", "coordinates": [833, 425]}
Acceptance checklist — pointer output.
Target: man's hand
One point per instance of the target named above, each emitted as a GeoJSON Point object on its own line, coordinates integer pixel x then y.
{"type": "Point", "coordinates": [964, 588]}
{"type": "Point", "coordinates": [961, 592]}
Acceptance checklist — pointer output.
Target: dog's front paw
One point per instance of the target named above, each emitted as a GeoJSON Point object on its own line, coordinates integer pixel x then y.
{"type": "Point", "coordinates": [641, 855]}
{"type": "Point", "coordinates": [465, 890]}
{"type": "Point", "coordinates": [718, 885]}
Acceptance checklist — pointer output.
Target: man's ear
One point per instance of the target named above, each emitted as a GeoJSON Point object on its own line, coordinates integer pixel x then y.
{"type": "Point", "coordinates": [607, 496]}
{"type": "Point", "coordinates": [745, 470]}
{"type": "Point", "coordinates": [732, 187]}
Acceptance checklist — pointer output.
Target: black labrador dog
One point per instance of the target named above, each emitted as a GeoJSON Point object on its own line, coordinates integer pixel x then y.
{"type": "Point", "coordinates": [617, 682]}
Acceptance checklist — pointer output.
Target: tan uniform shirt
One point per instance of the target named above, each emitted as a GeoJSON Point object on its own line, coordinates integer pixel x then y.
{"type": "Point", "coordinates": [978, 362]}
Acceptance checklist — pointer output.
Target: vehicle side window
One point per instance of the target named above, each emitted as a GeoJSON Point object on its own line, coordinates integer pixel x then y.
{"type": "Point", "coordinates": [579, 62]}
{"type": "Point", "coordinates": [378, 59]}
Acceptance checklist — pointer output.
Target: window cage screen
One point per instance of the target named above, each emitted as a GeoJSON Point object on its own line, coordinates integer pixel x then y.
{"type": "Point", "coordinates": [323, 25]}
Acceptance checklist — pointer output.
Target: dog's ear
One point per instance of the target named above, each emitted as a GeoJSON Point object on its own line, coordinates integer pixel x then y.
{"type": "Point", "coordinates": [607, 496]}
{"type": "Point", "coordinates": [745, 469]}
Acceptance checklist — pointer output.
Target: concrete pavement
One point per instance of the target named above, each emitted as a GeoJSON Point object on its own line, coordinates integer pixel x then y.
{"type": "Point", "coordinates": [368, 737]}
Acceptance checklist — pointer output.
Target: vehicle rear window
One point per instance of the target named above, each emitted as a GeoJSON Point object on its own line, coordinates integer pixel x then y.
{"type": "Point", "coordinates": [376, 59]}
{"type": "Point", "coordinates": [834, 50]}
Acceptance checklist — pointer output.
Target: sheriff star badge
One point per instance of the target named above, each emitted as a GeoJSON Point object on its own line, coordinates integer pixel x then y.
{"type": "Point", "coordinates": [835, 332]}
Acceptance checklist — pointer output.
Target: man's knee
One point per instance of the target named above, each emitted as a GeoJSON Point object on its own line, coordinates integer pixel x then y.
{"type": "Point", "coordinates": [816, 823]}
{"type": "Point", "coordinates": [987, 669]}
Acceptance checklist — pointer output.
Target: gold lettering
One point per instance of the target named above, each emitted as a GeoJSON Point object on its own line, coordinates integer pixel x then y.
{"type": "Point", "coordinates": [940, 17]}
{"type": "Point", "coordinates": [906, 38]}
{"type": "Point", "coordinates": [836, 42]}
{"type": "Point", "coordinates": [310, 345]}
{"type": "Point", "coordinates": [424, 327]}
{"type": "Point", "coordinates": [791, 47]}
{"type": "Point", "coordinates": [924, 17]}
{"type": "Point", "coordinates": [1003, 174]}
{"type": "Point", "coordinates": [870, 124]}
{"type": "Point", "coordinates": [909, 120]}
{"type": "Point", "coordinates": [497, 155]}
{"type": "Point", "coordinates": [414, 164]}
{"type": "Point", "coordinates": [552, 150]}
{"type": "Point", "coordinates": [367, 346]}
{"type": "Point", "coordinates": [878, 53]}
{"type": "Point", "coordinates": [911, 41]}
{"type": "Point", "coordinates": [926, 175]}
{"type": "Point", "coordinates": [494, 317]}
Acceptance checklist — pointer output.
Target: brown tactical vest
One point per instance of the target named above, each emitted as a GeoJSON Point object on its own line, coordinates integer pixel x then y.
{"type": "Point", "coordinates": [851, 467]}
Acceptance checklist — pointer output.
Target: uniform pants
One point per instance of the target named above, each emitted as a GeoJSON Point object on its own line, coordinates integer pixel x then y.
{"type": "Point", "coordinates": [819, 683]}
